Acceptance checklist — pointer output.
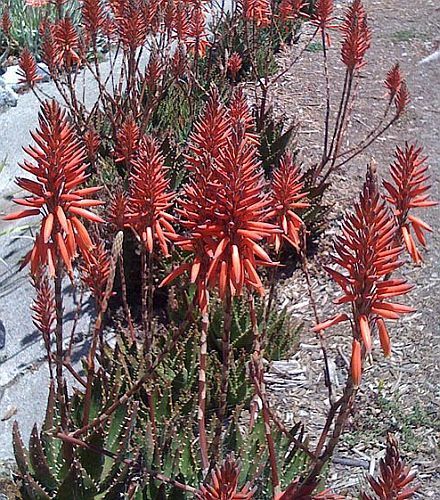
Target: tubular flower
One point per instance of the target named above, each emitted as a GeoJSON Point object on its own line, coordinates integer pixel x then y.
{"type": "Point", "coordinates": [67, 44]}
{"type": "Point", "coordinates": [56, 194]}
{"type": "Point", "coordinates": [95, 271]}
{"type": "Point", "coordinates": [408, 191]}
{"type": "Point", "coordinates": [28, 68]}
{"type": "Point", "coordinates": [290, 10]}
{"type": "Point", "coordinates": [149, 197]}
{"type": "Point", "coordinates": [258, 11]}
{"type": "Point", "coordinates": [393, 81]}
{"type": "Point", "coordinates": [394, 479]}
{"type": "Point", "coordinates": [287, 195]}
{"type": "Point", "coordinates": [127, 143]}
{"type": "Point", "coordinates": [357, 36]}
{"type": "Point", "coordinates": [367, 252]}
{"type": "Point", "coordinates": [224, 484]}
{"type": "Point", "coordinates": [235, 62]}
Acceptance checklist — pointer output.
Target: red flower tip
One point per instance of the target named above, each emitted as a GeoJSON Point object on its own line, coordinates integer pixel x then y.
{"type": "Point", "coordinates": [235, 63]}
{"type": "Point", "coordinates": [92, 142]}
{"type": "Point", "coordinates": [393, 81]}
{"type": "Point", "coordinates": [116, 212]}
{"type": "Point", "coordinates": [93, 17]}
{"type": "Point", "coordinates": [28, 68]}
{"type": "Point", "coordinates": [196, 39]}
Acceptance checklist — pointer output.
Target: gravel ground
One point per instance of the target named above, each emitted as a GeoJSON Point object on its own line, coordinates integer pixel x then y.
{"type": "Point", "coordinates": [402, 394]}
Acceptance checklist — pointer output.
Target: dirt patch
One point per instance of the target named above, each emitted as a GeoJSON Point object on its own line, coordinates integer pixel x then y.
{"type": "Point", "coordinates": [402, 394]}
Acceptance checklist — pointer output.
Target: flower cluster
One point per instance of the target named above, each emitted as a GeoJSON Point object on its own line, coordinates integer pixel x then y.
{"type": "Point", "coordinates": [368, 253]}
{"type": "Point", "coordinates": [57, 193]}
{"type": "Point", "coordinates": [408, 190]}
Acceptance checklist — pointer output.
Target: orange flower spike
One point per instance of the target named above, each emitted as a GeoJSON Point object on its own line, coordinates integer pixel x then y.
{"type": "Point", "coordinates": [356, 363]}
{"type": "Point", "coordinates": [287, 195]}
{"type": "Point", "coordinates": [59, 167]}
{"type": "Point", "coordinates": [150, 197]}
{"type": "Point", "coordinates": [408, 190]}
{"type": "Point", "coordinates": [235, 63]}
{"type": "Point", "coordinates": [290, 10]}
{"type": "Point", "coordinates": [258, 11]}
{"type": "Point", "coordinates": [28, 68]}
{"type": "Point", "coordinates": [393, 81]}
{"type": "Point", "coordinates": [6, 23]}
{"type": "Point", "coordinates": [357, 36]}
{"type": "Point", "coordinates": [66, 43]}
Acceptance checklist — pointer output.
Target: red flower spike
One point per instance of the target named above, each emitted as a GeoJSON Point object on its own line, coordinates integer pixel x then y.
{"type": "Point", "coordinates": [357, 36]}
{"type": "Point", "coordinates": [287, 195]}
{"type": "Point", "coordinates": [150, 197]}
{"type": "Point", "coordinates": [116, 211]}
{"type": "Point", "coordinates": [323, 14]}
{"type": "Point", "coordinates": [394, 479]}
{"type": "Point", "coordinates": [235, 62]}
{"type": "Point", "coordinates": [92, 142]}
{"type": "Point", "coordinates": [258, 11]}
{"type": "Point", "coordinates": [28, 68]}
{"type": "Point", "coordinates": [95, 271]}
{"type": "Point", "coordinates": [153, 72]}
{"type": "Point", "coordinates": [393, 81]}
{"type": "Point", "coordinates": [43, 307]}
{"type": "Point", "coordinates": [241, 116]}
{"type": "Point", "coordinates": [408, 191]}
{"type": "Point", "coordinates": [127, 143]}
{"type": "Point", "coordinates": [59, 168]}
{"type": "Point", "coordinates": [196, 41]}
{"type": "Point", "coordinates": [207, 141]}
{"type": "Point", "coordinates": [367, 253]}
{"type": "Point", "coordinates": [93, 17]}
{"type": "Point", "coordinates": [66, 43]}
{"type": "Point", "coordinates": [181, 24]}
{"type": "Point", "coordinates": [224, 484]}
{"type": "Point", "coordinates": [402, 99]}
{"type": "Point", "coordinates": [6, 23]}
{"type": "Point", "coordinates": [290, 10]}
{"type": "Point", "coordinates": [223, 208]}
{"type": "Point", "coordinates": [130, 24]}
